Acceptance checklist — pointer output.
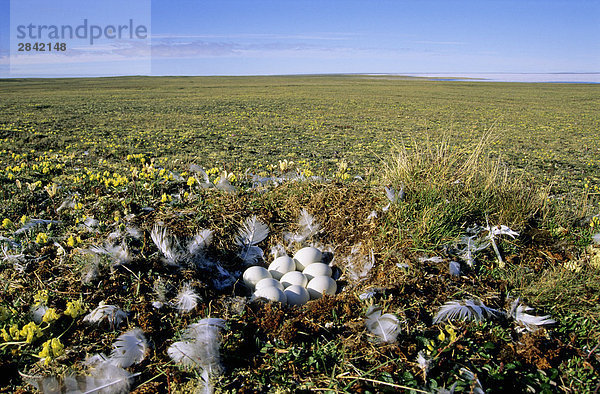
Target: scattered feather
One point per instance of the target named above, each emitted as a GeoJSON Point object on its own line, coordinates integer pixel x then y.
{"type": "Point", "coordinates": [503, 230]}
{"type": "Point", "coordinates": [104, 377]}
{"type": "Point", "coordinates": [133, 232]}
{"type": "Point", "coordinates": [424, 363]}
{"type": "Point", "coordinates": [476, 387]}
{"type": "Point", "coordinates": [167, 245]}
{"type": "Point", "coordinates": [596, 239]}
{"type": "Point", "coordinates": [109, 378]}
{"type": "Point", "coordinates": [393, 196]}
{"type": "Point", "coordinates": [68, 203]}
{"type": "Point", "coordinates": [37, 313]}
{"type": "Point", "coordinates": [129, 348]}
{"type": "Point", "coordinates": [187, 299]}
{"type": "Point", "coordinates": [358, 264]}
{"type": "Point", "coordinates": [160, 289]}
{"type": "Point", "coordinates": [89, 224]}
{"type": "Point", "coordinates": [454, 268]}
{"type": "Point", "coordinates": [390, 193]}
{"type": "Point", "coordinates": [34, 223]}
{"type": "Point", "coordinates": [96, 359]}
{"type": "Point", "coordinates": [225, 185]}
{"type": "Point", "coordinates": [277, 251]}
{"type": "Point", "coordinates": [433, 259]}
{"type": "Point", "coordinates": [10, 242]}
{"type": "Point", "coordinates": [472, 245]}
{"type": "Point", "coordinates": [185, 353]}
{"type": "Point", "coordinates": [464, 310]}
{"type": "Point", "coordinates": [60, 251]}
{"type": "Point", "coordinates": [495, 231]}
{"type": "Point", "coordinates": [223, 279]}
{"type": "Point", "coordinates": [367, 294]}
{"type": "Point", "coordinates": [372, 216]}
{"type": "Point", "coordinates": [200, 242]}
{"type": "Point", "coordinates": [307, 228]}
{"type": "Point", "coordinates": [199, 349]}
{"type": "Point", "coordinates": [252, 232]}
{"type": "Point", "coordinates": [110, 313]}
{"type": "Point", "coordinates": [386, 327]}
{"type": "Point", "coordinates": [252, 255]}
{"type": "Point", "coordinates": [16, 259]}
{"type": "Point", "coordinates": [308, 225]}
{"type": "Point", "coordinates": [527, 322]}
{"type": "Point", "coordinates": [118, 254]}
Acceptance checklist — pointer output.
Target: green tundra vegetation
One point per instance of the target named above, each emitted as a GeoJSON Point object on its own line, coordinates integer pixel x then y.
{"type": "Point", "coordinates": [418, 178]}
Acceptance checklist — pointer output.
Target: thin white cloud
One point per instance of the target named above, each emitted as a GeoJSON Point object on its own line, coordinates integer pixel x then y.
{"type": "Point", "coordinates": [439, 42]}
{"type": "Point", "coordinates": [325, 36]}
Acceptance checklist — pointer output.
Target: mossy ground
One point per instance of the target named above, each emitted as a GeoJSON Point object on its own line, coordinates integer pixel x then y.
{"type": "Point", "coordinates": [116, 146]}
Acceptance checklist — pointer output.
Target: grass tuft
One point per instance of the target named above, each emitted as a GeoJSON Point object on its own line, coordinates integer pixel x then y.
{"type": "Point", "coordinates": [448, 188]}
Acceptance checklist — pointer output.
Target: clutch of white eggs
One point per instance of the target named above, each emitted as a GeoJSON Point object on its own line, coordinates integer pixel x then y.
{"type": "Point", "coordinates": [292, 280]}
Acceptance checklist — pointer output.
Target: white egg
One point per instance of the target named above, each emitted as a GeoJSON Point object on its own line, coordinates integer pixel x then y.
{"type": "Point", "coordinates": [281, 266]}
{"type": "Point", "coordinates": [316, 269]}
{"type": "Point", "coordinates": [306, 256]}
{"type": "Point", "coordinates": [296, 295]}
{"type": "Point", "coordinates": [254, 274]}
{"type": "Point", "coordinates": [270, 293]}
{"type": "Point", "coordinates": [293, 278]}
{"type": "Point", "coordinates": [268, 282]}
{"type": "Point", "coordinates": [321, 285]}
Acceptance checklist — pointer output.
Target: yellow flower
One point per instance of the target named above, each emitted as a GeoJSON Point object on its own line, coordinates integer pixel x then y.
{"type": "Point", "coordinates": [6, 223]}
{"type": "Point", "coordinates": [191, 181]}
{"type": "Point", "coordinates": [45, 352]}
{"type": "Point", "coordinates": [41, 297]}
{"type": "Point", "coordinates": [41, 238]}
{"type": "Point", "coordinates": [57, 347]}
{"type": "Point", "coordinates": [51, 349]}
{"type": "Point", "coordinates": [51, 190]}
{"type": "Point", "coordinates": [50, 315]}
{"type": "Point", "coordinates": [14, 332]}
{"type": "Point", "coordinates": [24, 219]}
{"type": "Point", "coordinates": [307, 173]}
{"type": "Point", "coordinates": [441, 336]}
{"type": "Point", "coordinates": [71, 241]}
{"type": "Point", "coordinates": [452, 333]}
{"type": "Point", "coordinates": [30, 331]}
{"type": "Point", "coordinates": [75, 308]}
{"type": "Point", "coordinates": [5, 335]}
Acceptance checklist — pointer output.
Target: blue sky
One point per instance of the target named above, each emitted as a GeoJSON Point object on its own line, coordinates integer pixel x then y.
{"type": "Point", "coordinates": [225, 37]}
